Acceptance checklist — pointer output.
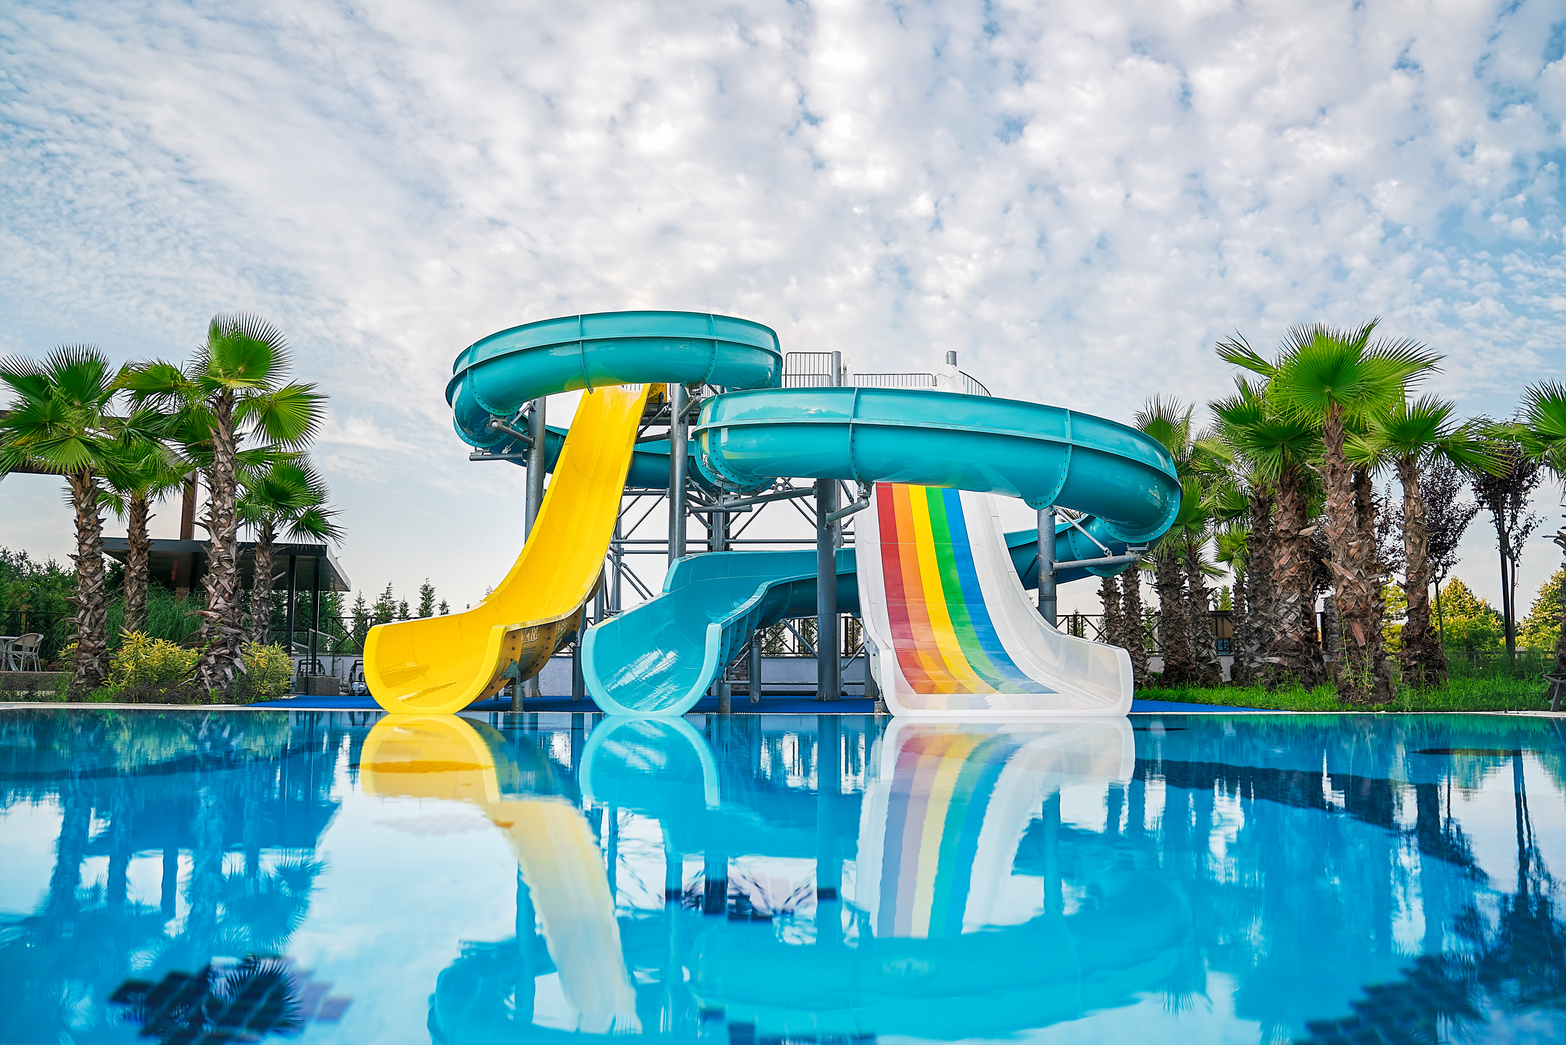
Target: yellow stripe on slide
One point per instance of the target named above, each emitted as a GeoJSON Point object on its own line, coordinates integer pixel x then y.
{"type": "Point", "coordinates": [935, 598]}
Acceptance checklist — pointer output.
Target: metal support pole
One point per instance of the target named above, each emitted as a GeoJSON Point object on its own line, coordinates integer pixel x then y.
{"type": "Point", "coordinates": [578, 682]}
{"type": "Point", "coordinates": [718, 541]}
{"type": "Point", "coordinates": [828, 684]}
{"type": "Point", "coordinates": [538, 433]}
{"type": "Point", "coordinates": [679, 461]}
{"type": "Point", "coordinates": [293, 596]}
{"type": "Point", "coordinates": [617, 589]}
{"type": "Point", "coordinates": [315, 614]}
{"type": "Point", "coordinates": [755, 666]}
{"type": "Point", "coordinates": [1046, 560]}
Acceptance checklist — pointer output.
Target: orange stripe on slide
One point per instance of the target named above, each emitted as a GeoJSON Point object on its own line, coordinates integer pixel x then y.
{"type": "Point", "coordinates": [924, 652]}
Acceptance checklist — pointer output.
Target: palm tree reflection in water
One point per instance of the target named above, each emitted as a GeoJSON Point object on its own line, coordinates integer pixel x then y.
{"type": "Point", "coordinates": [191, 786]}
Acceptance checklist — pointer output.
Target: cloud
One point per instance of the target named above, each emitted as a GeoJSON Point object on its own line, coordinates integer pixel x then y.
{"type": "Point", "coordinates": [1079, 198]}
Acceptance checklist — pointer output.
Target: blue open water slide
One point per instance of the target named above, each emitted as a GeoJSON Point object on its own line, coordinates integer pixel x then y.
{"type": "Point", "coordinates": [660, 658]}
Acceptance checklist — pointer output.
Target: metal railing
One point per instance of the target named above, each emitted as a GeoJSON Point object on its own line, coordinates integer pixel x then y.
{"type": "Point", "coordinates": [907, 379]}
{"type": "Point", "coordinates": [825, 369]}
{"type": "Point", "coordinates": [811, 369]}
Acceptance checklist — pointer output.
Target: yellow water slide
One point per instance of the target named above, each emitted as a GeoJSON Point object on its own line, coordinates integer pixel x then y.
{"type": "Point", "coordinates": [444, 757]}
{"type": "Point", "coordinates": [439, 665]}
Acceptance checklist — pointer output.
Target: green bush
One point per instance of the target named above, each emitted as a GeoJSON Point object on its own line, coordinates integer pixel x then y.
{"type": "Point", "coordinates": [143, 660]}
{"type": "Point", "coordinates": [268, 670]}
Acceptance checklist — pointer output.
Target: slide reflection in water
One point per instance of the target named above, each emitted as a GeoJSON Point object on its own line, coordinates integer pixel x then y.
{"type": "Point", "coordinates": [936, 940]}
{"type": "Point", "coordinates": [445, 757]}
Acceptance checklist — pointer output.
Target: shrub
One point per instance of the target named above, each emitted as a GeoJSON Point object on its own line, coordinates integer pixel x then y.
{"type": "Point", "coordinates": [268, 670]}
{"type": "Point", "coordinates": [143, 661]}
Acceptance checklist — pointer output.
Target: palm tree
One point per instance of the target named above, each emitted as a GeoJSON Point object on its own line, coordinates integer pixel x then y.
{"type": "Point", "coordinates": [141, 471]}
{"type": "Point", "coordinates": [1339, 379]}
{"type": "Point", "coordinates": [60, 422]}
{"type": "Point", "coordinates": [1272, 449]}
{"type": "Point", "coordinates": [1541, 430]}
{"type": "Point", "coordinates": [1409, 434]}
{"type": "Point", "coordinates": [1169, 422]}
{"type": "Point", "coordinates": [232, 390]}
{"type": "Point", "coordinates": [281, 494]}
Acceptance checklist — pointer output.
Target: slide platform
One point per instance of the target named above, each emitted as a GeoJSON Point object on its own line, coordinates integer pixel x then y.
{"type": "Point", "coordinates": [660, 658]}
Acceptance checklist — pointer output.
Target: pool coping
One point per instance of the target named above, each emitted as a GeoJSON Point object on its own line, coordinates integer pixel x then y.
{"type": "Point", "coordinates": [1184, 709]}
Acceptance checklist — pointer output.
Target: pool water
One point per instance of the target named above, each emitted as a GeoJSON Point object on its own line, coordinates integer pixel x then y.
{"type": "Point", "coordinates": [349, 877]}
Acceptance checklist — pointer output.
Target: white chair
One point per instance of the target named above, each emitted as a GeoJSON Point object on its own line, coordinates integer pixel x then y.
{"type": "Point", "coordinates": [25, 648]}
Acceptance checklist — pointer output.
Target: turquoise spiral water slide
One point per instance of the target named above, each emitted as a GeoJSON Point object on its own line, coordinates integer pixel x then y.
{"type": "Point", "coordinates": [659, 658]}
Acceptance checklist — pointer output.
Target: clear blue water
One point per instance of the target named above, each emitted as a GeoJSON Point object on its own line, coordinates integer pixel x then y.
{"type": "Point", "coordinates": [340, 877]}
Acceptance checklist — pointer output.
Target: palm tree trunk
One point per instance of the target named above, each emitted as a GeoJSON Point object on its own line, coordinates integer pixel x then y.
{"type": "Point", "coordinates": [1298, 654]}
{"type": "Point", "coordinates": [138, 551]}
{"type": "Point", "coordinates": [1375, 572]}
{"type": "Point", "coordinates": [220, 632]}
{"type": "Point", "coordinates": [1209, 672]}
{"type": "Point", "coordinates": [1131, 621]}
{"type": "Point", "coordinates": [1113, 631]}
{"type": "Point", "coordinates": [1355, 666]}
{"type": "Point", "coordinates": [1174, 636]}
{"type": "Point", "coordinates": [1262, 629]}
{"type": "Point", "coordinates": [91, 599]}
{"type": "Point", "coordinates": [1240, 640]}
{"type": "Point", "coordinates": [261, 586]}
{"type": "Point", "coordinates": [1423, 660]}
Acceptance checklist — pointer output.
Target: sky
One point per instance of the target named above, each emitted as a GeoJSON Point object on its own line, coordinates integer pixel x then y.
{"type": "Point", "coordinates": [1079, 199]}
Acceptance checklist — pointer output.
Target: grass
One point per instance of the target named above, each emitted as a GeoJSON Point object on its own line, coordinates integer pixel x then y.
{"type": "Point", "coordinates": [1494, 689]}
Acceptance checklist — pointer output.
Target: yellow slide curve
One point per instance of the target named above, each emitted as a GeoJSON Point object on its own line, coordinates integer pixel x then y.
{"type": "Point", "coordinates": [440, 665]}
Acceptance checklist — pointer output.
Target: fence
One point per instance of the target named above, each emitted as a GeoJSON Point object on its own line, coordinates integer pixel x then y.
{"type": "Point", "coordinates": [816, 370]}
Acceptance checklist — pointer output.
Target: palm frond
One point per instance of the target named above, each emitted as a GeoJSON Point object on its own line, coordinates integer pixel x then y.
{"type": "Point", "coordinates": [1236, 351]}
{"type": "Point", "coordinates": [1542, 428]}
{"type": "Point", "coordinates": [290, 416]}
{"type": "Point", "coordinates": [245, 351]}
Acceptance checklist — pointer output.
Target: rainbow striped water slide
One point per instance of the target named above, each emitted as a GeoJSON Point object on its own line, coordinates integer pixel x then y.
{"type": "Point", "coordinates": [950, 630]}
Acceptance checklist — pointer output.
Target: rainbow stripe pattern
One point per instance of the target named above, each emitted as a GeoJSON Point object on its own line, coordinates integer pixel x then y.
{"type": "Point", "coordinates": [941, 628]}
{"type": "Point", "coordinates": [941, 792]}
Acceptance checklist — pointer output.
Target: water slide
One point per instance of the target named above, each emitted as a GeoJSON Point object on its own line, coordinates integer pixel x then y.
{"type": "Point", "coordinates": [949, 630]}
{"type": "Point", "coordinates": [442, 664]}
{"type": "Point", "coordinates": [661, 657]}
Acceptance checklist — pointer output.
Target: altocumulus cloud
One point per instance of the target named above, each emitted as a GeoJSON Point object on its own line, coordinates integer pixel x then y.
{"type": "Point", "coordinates": [1077, 197]}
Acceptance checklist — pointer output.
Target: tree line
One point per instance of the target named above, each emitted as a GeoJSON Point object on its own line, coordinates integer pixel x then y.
{"type": "Point", "coordinates": [1281, 491]}
{"type": "Point", "coordinates": [126, 437]}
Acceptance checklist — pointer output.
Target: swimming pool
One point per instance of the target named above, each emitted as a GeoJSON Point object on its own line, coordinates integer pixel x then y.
{"type": "Point", "coordinates": [346, 877]}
